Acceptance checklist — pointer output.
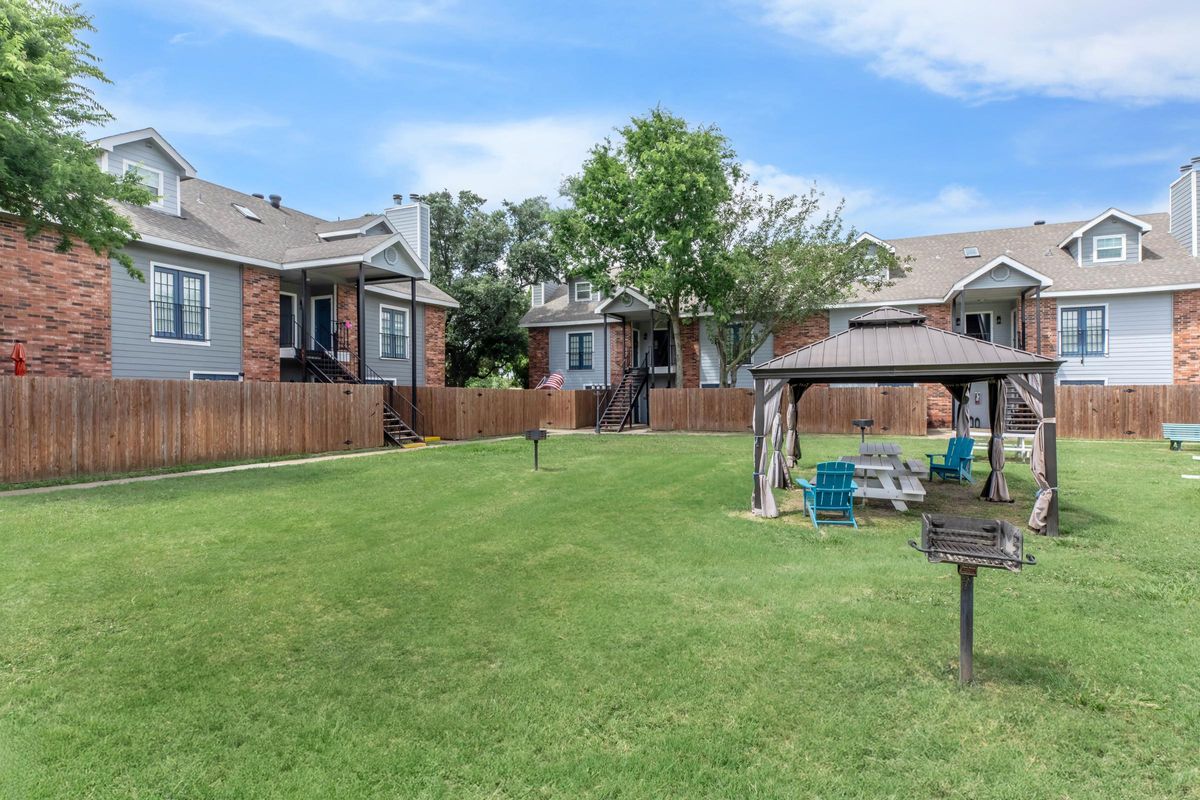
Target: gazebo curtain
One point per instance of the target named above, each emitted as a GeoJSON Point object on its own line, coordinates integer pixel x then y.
{"type": "Point", "coordinates": [767, 459]}
{"type": "Point", "coordinates": [1037, 459]}
{"type": "Point", "coordinates": [996, 487]}
{"type": "Point", "coordinates": [792, 445]}
{"type": "Point", "coordinates": [961, 392]}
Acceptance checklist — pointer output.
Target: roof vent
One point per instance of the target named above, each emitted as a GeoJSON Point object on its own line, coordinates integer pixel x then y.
{"type": "Point", "coordinates": [398, 199]}
{"type": "Point", "coordinates": [1039, 222]}
{"type": "Point", "coordinates": [259, 195]}
{"type": "Point", "coordinates": [276, 200]}
{"type": "Point", "coordinates": [416, 198]}
{"type": "Point", "coordinates": [971, 252]}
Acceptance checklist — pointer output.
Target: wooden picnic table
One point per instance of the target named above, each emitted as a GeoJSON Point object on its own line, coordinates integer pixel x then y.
{"type": "Point", "coordinates": [884, 480]}
{"type": "Point", "coordinates": [891, 451]}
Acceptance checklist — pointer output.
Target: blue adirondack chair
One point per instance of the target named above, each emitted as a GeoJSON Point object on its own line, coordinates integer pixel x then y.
{"type": "Point", "coordinates": [956, 463]}
{"type": "Point", "coordinates": [833, 493]}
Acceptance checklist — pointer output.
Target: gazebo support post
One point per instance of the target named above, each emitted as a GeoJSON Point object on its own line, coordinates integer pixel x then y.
{"type": "Point", "coordinates": [1050, 443]}
{"type": "Point", "coordinates": [759, 436]}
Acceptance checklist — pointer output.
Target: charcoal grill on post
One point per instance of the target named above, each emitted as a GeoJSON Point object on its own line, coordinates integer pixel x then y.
{"type": "Point", "coordinates": [535, 435]}
{"type": "Point", "coordinates": [862, 425]}
{"type": "Point", "coordinates": [970, 544]}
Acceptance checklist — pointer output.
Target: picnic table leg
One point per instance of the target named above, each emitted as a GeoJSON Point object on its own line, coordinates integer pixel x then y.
{"type": "Point", "coordinates": [889, 486]}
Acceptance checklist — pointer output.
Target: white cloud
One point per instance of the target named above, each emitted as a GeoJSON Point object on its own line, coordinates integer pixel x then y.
{"type": "Point", "coordinates": [185, 119]}
{"type": "Point", "coordinates": [1093, 49]}
{"type": "Point", "coordinates": [360, 31]}
{"type": "Point", "coordinates": [889, 214]}
{"type": "Point", "coordinates": [507, 160]}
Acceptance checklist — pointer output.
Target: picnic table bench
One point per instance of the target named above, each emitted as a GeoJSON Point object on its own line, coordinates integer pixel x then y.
{"type": "Point", "coordinates": [883, 480]}
{"type": "Point", "coordinates": [1178, 433]}
{"type": "Point", "coordinates": [891, 452]}
{"type": "Point", "coordinates": [1019, 444]}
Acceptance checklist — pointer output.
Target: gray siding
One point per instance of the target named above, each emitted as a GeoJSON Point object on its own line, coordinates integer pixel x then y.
{"type": "Point", "coordinates": [1140, 347]}
{"type": "Point", "coordinates": [150, 155]}
{"type": "Point", "coordinates": [412, 222]}
{"type": "Point", "coordinates": [710, 360]}
{"type": "Point", "coordinates": [134, 355]}
{"type": "Point", "coordinates": [400, 369]}
{"type": "Point", "coordinates": [1108, 228]}
{"type": "Point", "coordinates": [596, 295]}
{"type": "Point", "coordinates": [1182, 212]}
{"type": "Point", "coordinates": [578, 378]}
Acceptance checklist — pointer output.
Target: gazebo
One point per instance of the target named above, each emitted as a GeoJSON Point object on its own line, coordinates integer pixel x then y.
{"type": "Point", "coordinates": [889, 345]}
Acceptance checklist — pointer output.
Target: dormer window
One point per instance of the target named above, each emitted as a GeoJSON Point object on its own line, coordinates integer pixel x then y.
{"type": "Point", "coordinates": [583, 291]}
{"type": "Point", "coordinates": [1108, 248]}
{"type": "Point", "coordinates": [150, 178]}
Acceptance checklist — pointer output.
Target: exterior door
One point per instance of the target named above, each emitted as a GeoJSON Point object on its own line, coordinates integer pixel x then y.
{"type": "Point", "coordinates": [979, 326]}
{"type": "Point", "coordinates": [287, 320]}
{"type": "Point", "coordinates": [322, 321]}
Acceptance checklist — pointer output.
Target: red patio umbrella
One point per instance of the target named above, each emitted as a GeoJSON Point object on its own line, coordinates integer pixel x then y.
{"type": "Point", "coordinates": [18, 359]}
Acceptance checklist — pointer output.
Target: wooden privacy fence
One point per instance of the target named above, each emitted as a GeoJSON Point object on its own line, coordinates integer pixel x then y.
{"type": "Point", "coordinates": [456, 413]}
{"type": "Point", "coordinates": [898, 410]}
{"type": "Point", "coordinates": [1124, 412]}
{"type": "Point", "coordinates": [55, 427]}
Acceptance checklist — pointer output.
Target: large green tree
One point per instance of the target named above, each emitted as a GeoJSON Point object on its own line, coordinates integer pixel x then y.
{"type": "Point", "coordinates": [783, 260]}
{"type": "Point", "coordinates": [646, 213]}
{"type": "Point", "coordinates": [48, 174]}
{"type": "Point", "coordinates": [487, 260]}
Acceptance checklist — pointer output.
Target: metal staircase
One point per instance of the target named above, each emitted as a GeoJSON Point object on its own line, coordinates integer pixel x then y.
{"type": "Point", "coordinates": [617, 411]}
{"type": "Point", "coordinates": [324, 365]}
{"type": "Point", "coordinates": [1018, 417]}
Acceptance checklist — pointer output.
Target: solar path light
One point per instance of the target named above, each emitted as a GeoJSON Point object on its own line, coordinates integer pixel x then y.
{"type": "Point", "coordinates": [971, 544]}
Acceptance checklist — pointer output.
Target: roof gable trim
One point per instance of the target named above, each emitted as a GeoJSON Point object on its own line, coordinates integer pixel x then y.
{"type": "Point", "coordinates": [1042, 280]}
{"type": "Point", "coordinates": [107, 143]}
{"type": "Point", "coordinates": [1142, 225]}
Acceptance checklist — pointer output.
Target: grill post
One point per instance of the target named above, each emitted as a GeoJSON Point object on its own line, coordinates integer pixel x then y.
{"type": "Point", "coordinates": [966, 623]}
{"type": "Point", "coordinates": [535, 455]}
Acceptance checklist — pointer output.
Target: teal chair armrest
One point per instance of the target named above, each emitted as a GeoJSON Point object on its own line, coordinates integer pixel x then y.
{"type": "Point", "coordinates": [801, 482]}
{"type": "Point", "coordinates": [853, 486]}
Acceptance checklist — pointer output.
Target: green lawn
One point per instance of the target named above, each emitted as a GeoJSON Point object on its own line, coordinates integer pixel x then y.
{"type": "Point", "coordinates": [449, 624]}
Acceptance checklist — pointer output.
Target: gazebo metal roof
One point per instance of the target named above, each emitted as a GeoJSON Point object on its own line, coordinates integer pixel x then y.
{"type": "Point", "coordinates": [891, 344]}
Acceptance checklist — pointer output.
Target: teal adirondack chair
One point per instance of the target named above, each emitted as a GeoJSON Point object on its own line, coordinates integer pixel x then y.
{"type": "Point", "coordinates": [956, 463]}
{"type": "Point", "coordinates": [833, 493]}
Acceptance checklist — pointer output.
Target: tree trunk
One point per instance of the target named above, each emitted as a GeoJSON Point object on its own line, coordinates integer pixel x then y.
{"type": "Point", "coordinates": [676, 331]}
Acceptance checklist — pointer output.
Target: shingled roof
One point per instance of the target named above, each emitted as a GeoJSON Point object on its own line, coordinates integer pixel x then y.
{"type": "Point", "coordinates": [889, 343]}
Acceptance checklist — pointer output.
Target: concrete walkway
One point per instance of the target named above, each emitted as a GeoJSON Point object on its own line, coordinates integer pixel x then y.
{"type": "Point", "coordinates": [291, 462]}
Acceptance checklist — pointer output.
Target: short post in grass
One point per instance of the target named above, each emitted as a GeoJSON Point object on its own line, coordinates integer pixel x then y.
{"type": "Point", "coordinates": [535, 435]}
{"type": "Point", "coordinates": [970, 544]}
{"type": "Point", "coordinates": [966, 623]}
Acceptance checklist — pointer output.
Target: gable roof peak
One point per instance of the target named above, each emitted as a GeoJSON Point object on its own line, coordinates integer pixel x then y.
{"type": "Point", "coordinates": [107, 143]}
{"type": "Point", "coordinates": [1140, 224]}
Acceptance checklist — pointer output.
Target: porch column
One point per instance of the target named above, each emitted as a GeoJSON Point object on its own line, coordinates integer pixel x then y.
{"type": "Point", "coordinates": [362, 315]}
{"type": "Point", "coordinates": [1037, 298]}
{"type": "Point", "coordinates": [1024, 341]}
{"type": "Point", "coordinates": [412, 353]}
{"type": "Point", "coordinates": [650, 389]}
{"type": "Point", "coordinates": [1050, 443]}
{"type": "Point", "coordinates": [303, 343]}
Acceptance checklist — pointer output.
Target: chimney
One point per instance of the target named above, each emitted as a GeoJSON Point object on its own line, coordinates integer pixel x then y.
{"type": "Point", "coordinates": [1183, 209]}
{"type": "Point", "coordinates": [398, 199]}
{"type": "Point", "coordinates": [276, 200]}
{"type": "Point", "coordinates": [259, 195]}
{"type": "Point", "coordinates": [412, 221]}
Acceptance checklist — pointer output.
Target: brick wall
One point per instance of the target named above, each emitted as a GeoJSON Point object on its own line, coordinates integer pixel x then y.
{"type": "Point", "coordinates": [59, 304]}
{"type": "Point", "coordinates": [794, 335]}
{"type": "Point", "coordinates": [346, 310]}
{"type": "Point", "coordinates": [260, 324]}
{"type": "Point", "coordinates": [619, 350]}
{"type": "Point", "coordinates": [690, 337]}
{"type": "Point", "coordinates": [1049, 326]}
{"type": "Point", "coordinates": [539, 355]}
{"type": "Point", "coordinates": [435, 346]}
{"type": "Point", "coordinates": [1187, 336]}
{"type": "Point", "coordinates": [939, 405]}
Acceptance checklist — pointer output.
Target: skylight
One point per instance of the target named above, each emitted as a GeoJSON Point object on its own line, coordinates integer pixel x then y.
{"type": "Point", "coordinates": [247, 213]}
{"type": "Point", "coordinates": [971, 252]}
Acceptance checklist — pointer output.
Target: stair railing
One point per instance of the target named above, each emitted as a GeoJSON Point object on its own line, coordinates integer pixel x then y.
{"type": "Point", "coordinates": [363, 374]}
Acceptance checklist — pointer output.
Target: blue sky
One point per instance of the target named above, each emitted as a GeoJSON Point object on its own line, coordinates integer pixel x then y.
{"type": "Point", "coordinates": [925, 116]}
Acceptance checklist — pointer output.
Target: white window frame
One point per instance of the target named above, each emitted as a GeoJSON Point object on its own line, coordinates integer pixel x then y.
{"type": "Point", "coordinates": [208, 332]}
{"type": "Point", "coordinates": [537, 295]}
{"type": "Point", "coordinates": [575, 292]}
{"type": "Point", "coordinates": [1096, 247]}
{"type": "Point", "coordinates": [193, 373]}
{"type": "Point", "coordinates": [407, 332]}
{"type": "Point", "coordinates": [162, 188]}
